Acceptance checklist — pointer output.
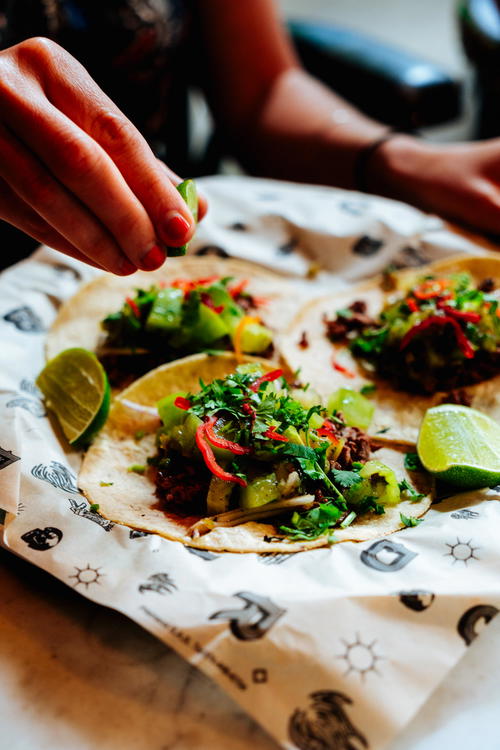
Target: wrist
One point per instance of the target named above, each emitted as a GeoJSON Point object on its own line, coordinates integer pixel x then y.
{"type": "Point", "coordinates": [396, 168]}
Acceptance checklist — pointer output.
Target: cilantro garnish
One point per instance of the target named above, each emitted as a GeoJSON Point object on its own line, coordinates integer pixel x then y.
{"type": "Point", "coordinates": [412, 462]}
{"type": "Point", "coordinates": [345, 479]}
{"type": "Point", "coordinates": [367, 389]}
{"type": "Point", "coordinates": [313, 523]}
{"type": "Point", "coordinates": [410, 521]}
{"type": "Point", "coordinates": [94, 507]}
{"type": "Point", "coordinates": [409, 492]}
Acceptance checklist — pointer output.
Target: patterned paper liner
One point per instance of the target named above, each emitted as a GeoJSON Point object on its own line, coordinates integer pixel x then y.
{"type": "Point", "coordinates": [338, 645]}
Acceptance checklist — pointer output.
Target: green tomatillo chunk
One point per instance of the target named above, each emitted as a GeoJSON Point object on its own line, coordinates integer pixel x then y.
{"type": "Point", "coordinates": [378, 483]}
{"type": "Point", "coordinates": [259, 491]}
{"type": "Point", "coordinates": [355, 408]}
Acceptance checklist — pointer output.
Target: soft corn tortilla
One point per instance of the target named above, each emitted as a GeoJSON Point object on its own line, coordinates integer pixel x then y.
{"type": "Point", "coordinates": [397, 414]}
{"type": "Point", "coordinates": [78, 321]}
{"type": "Point", "coordinates": [129, 498]}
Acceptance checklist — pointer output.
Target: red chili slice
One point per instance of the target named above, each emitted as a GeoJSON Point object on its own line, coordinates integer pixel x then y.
{"type": "Point", "coordinates": [469, 317]}
{"type": "Point", "coordinates": [431, 288]}
{"type": "Point", "coordinates": [437, 320]}
{"type": "Point", "coordinates": [248, 410]}
{"type": "Point", "coordinates": [327, 430]}
{"type": "Point", "coordinates": [221, 442]}
{"type": "Point", "coordinates": [343, 369]}
{"type": "Point", "coordinates": [209, 458]}
{"type": "Point", "coordinates": [238, 289]}
{"type": "Point", "coordinates": [412, 305]}
{"type": "Point", "coordinates": [133, 306]}
{"type": "Point", "coordinates": [208, 302]}
{"type": "Point", "coordinates": [268, 377]}
{"type": "Point", "coordinates": [182, 403]}
{"type": "Point", "coordinates": [273, 435]}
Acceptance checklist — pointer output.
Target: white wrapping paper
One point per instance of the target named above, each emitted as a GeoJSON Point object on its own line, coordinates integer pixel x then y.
{"type": "Point", "coordinates": [335, 648]}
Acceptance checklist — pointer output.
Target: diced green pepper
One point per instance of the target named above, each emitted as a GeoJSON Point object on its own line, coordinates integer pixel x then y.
{"type": "Point", "coordinates": [210, 326]}
{"type": "Point", "coordinates": [170, 414]}
{"type": "Point", "coordinates": [219, 495]}
{"type": "Point", "coordinates": [378, 482]}
{"type": "Point", "coordinates": [259, 491]}
{"type": "Point", "coordinates": [355, 408]}
{"type": "Point", "coordinates": [166, 311]}
{"type": "Point", "coordinates": [188, 191]}
{"type": "Point", "coordinates": [255, 338]}
{"type": "Point", "coordinates": [183, 435]}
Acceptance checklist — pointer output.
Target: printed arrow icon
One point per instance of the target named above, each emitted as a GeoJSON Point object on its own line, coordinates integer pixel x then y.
{"type": "Point", "coordinates": [7, 458]}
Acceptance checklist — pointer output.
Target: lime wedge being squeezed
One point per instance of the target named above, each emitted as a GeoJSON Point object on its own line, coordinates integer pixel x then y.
{"type": "Point", "coordinates": [460, 446]}
{"type": "Point", "coordinates": [76, 389]}
{"type": "Point", "coordinates": [188, 191]}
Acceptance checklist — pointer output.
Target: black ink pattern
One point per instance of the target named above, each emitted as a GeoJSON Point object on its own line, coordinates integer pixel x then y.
{"type": "Point", "coordinates": [24, 320]}
{"type": "Point", "coordinates": [86, 576]}
{"type": "Point", "coordinates": [212, 250]}
{"type": "Point", "coordinates": [465, 514]}
{"type": "Point", "coordinates": [360, 657]}
{"type": "Point", "coordinates": [417, 599]}
{"type": "Point", "coordinates": [42, 539]}
{"type": "Point", "coordinates": [238, 226]}
{"type": "Point", "coordinates": [255, 619]}
{"type": "Point", "coordinates": [462, 551]}
{"type": "Point", "coordinates": [275, 558]}
{"type": "Point", "coordinates": [134, 534]}
{"type": "Point", "coordinates": [205, 554]}
{"type": "Point", "coordinates": [259, 675]}
{"type": "Point", "coordinates": [57, 475]}
{"type": "Point", "coordinates": [288, 247]}
{"type": "Point", "coordinates": [354, 207]}
{"type": "Point", "coordinates": [159, 583]}
{"type": "Point", "coordinates": [61, 269]}
{"type": "Point", "coordinates": [7, 458]}
{"type": "Point", "coordinates": [325, 725]}
{"type": "Point", "coordinates": [84, 511]}
{"type": "Point", "coordinates": [34, 407]}
{"type": "Point", "coordinates": [28, 386]}
{"type": "Point", "coordinates": [397, 556]}
{"type": "Point", "coordinates": [367, 246]}
{"type": "Point", "coordinates": [467, 625]}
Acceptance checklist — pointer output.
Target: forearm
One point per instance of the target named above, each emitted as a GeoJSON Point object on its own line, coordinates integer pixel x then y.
{"type": "Point", "coordinates": [303, 131]}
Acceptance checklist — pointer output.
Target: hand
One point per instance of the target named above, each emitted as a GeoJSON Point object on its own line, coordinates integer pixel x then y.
{"type": "Point", "coordinates": [460, 181]}
{"type": "Point", "coordinates": [75, 174]}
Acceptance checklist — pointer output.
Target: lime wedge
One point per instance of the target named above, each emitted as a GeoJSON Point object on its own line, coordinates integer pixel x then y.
{"type": "Point", "coordinates": [188, 191]}
{"type": "Point", "coordinates": [461, 446]}
{"type": "Point", "coordinates": [76, 389]}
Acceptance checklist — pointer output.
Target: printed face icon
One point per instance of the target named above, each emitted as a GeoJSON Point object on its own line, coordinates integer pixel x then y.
{"type": "Point", "coordinates": [42, 539]}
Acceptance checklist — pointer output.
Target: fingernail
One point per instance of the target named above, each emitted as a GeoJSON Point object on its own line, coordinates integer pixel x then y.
{"type": "Point", "coordinates": [175, 227]}
{"type": "Point", "coordinates": [126, 267]}
{"type": "Point", "coordinates": [153, 259]}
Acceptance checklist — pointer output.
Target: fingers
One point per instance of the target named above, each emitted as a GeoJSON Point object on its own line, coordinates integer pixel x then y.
{"type": "Point", "coordinates": [19, 214]}
{"type": "Point", "coordinates": [73, 92]}
{"type": "Point", "coordinates": [88, 173]}
{"type": "Point", "coordinates": [33, 183]}
{"type": "Point", "coordinates": [175, 179]}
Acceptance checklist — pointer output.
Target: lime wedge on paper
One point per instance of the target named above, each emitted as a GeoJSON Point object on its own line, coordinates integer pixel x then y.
{"type": "Point", "coordinates": [188, 191]}
{"type": "Point", "coordinates": [460, 446]}
{"type": "Point", "coordinates": [76, 389]}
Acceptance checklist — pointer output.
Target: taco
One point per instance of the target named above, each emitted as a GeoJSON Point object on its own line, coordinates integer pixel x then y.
{"type": "Point", "coordinates": [226, 456]}
{"type": "Point", "coordinates": [432, 337]}
{"type": "Point", "coordinates": [191, 304]}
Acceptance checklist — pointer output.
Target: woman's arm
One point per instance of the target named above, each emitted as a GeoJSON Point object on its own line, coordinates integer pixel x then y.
{"type": "Point", "coordinates": [283, 123]}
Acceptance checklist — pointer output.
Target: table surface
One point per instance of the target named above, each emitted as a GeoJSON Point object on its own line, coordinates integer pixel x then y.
{"type": "Point", "coordinates": [77, 676]}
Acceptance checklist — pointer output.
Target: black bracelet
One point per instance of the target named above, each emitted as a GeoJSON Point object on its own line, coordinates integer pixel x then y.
{"type": "Point", "coordinates": [364, 156]}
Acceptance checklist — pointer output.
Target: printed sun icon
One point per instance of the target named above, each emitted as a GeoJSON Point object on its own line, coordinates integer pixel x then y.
{"type": "Point", "coordinates": [86, 576]}
{"type": "Point", "coordinates": [461, 551]}
{"type": "Point", "coordinates": [360, 657]}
